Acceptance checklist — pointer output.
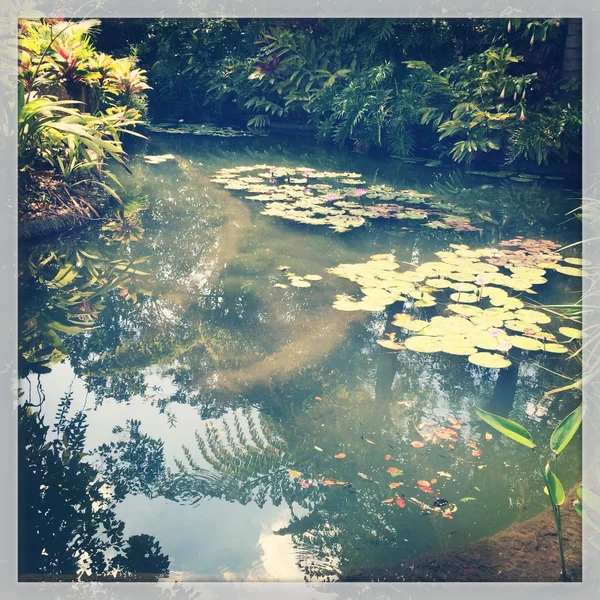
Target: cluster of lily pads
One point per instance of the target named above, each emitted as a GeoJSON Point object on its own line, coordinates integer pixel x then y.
{"type": "Point", "coordinates": [337, 200]}
{"type": "Point", "coordinates": [199, 129]}
{"type": "Point", "coordinates": [299, 281]}
{"type": "Point", "coordinates": [483, 320]}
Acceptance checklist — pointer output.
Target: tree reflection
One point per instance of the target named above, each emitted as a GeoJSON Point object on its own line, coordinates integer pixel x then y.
{"type": "Point", "coordinates": [67, 525]}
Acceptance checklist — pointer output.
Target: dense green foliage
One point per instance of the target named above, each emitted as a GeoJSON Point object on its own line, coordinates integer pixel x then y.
{"type": "Point", "coordinates": [74, 106]}
{"type": "Point", "coordinates": [456, 88]}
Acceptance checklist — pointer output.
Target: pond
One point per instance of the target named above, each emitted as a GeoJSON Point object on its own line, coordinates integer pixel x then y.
{"type": "Point", "coordinates": [256, 431]}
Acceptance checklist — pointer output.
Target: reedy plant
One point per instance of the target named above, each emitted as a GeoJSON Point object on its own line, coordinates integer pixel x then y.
{"type": "Point", "coordinates": [559, 440]}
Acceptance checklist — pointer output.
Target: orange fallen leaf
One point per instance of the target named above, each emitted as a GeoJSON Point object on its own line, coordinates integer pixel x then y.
{"type": "Point", "coordinates": [417, 444]}
{"type": "Point", "coordinates": [433, 481]}
{"type": "Point", "coordinates": [454, 421]}
{"type": "Point", "coordinates": [451, 446]}
{"type": "Point", "coordinates": [423, 482]}
{"type": "Point", "coordinates": [488, 436]}
{"type": "Point", "coordinates": [394, 471]}
{"type": "Point", "coordinates": [387, 501]}
{"type": "Point", "coordinates": [318, 398]}
{"type": "Point", "coordinates": [363, 475]}
{"type": "Point", "coordinates": [395, 484]}
{"type": "Point", "coordinates": [447, 516]}
{"type": "Point", "coordinates": [388, 456]}
{"type": "Point", "coordinates": [476, 453]}
{"type": "Point", "coordinates": [400, 502]}
{"type": "Point", "coordinates": [328, 482]}
{"type": "Point", "coordinates": [340, 455]}
{"type": "Point", "coordinates": [472, 445]}
{"type": "Point", "coordinates": [427, 488]}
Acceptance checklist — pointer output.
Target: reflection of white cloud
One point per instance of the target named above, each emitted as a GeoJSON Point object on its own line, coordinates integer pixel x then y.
{"type": "Point", "coordinates": [278, 559]}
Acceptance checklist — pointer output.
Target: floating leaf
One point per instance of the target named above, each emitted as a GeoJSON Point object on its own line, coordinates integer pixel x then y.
{"type": "Point", "coordinates": [340, 455]}
{"type": "Point", "coordinates": [571, 332]}
{"type": "Point", "coordinates": [573, 271]}
{"type": "Point", "coordinates": [565, 431]}
{"type": "Point", "coordinates": [476, 453]}
{"type": "Point", "coordinates": [427, 488]}
{"type": "Point", "coordinates": [525, 343]}
{"type": "Point", "coordinates": [488, 436]}
{"type": "Point", "coordinates": [468, 499]}
{"type": "Point", "coordinates": [387, 501]}
{"type": "Point", "coordinates": [424, 343]}
{"type": "Point", "coordinates": [283, 286]}
{"type": "Point", "coordinates": [394, 472]}
{"type": "Point", "coordinates": [313, 277]}
{"type": "Point", "coordinates": [363, 476]}
{"type": "Point", "coordinates": [388, 456]}
{"type": "Point", "coordinates": [319, 449]}
{"type": "Point", "coordinates": [400, 502]}
{"type": "Point", "coordinates": [369, 441]}
{"type": "Point", "coordinates": [489, 360]}
{"type": "Point", "coordinates": [395, 484]}
{"type": "Point", "coordinates": [422, 482]}
{"type": "Point", "coordinates": [556, 348]}
{"type": "Point", "coordinates": [294, 474]}
{"type": "Point", "coordinates": [574, 261]}
{"type": "Point", "coordinates": [417, 444]}
{"type": "Point", "coordinates": [509, 428]}
{"type": "Point", "coordinates": [444, 474]}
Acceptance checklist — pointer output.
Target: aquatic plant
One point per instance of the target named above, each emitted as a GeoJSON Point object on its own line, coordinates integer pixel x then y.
{"type": "Point", "coordinates": [329, 198]}
{"type": "Point", "coordinates": [559, 440]}
{"type": "Point", "coordinates": [484, 320]}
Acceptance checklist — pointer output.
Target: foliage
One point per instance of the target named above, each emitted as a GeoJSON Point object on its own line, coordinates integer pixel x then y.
{"type": "Point", "coordinates": [73, 137]}
{"type": "Point", "coordinates": [67, 524]}
{"type": "Point", "coordinates": [559, 440]}
{"type": "Point", "coordinates": [463, 87]}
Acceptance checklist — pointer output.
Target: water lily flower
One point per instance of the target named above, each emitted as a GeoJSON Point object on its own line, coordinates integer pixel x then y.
{"type": "Point", "coordinates": [360, 192]}
{"type": "Point", "coordinates": [308, 172]}
{"type": "Point", "coordinates": [504, 346]}
{"type": "Point", "coordinates": [229, 128]}
{"type": "Point", "coordinates": [482, 281]}
{"type": "Point", "coordinates": [495, 332]}
{"type": "Point", "coordinates": [180, 121]}
{"type": "Point", "coordinates": [331, 197]}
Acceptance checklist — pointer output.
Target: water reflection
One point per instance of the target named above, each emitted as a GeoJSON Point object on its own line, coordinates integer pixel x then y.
{"type": "Point", "coordinates": [175, 309]}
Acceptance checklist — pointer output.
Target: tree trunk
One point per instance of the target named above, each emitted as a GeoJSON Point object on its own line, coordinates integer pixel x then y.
{"type": "Point", "coordinates": [571, 63]}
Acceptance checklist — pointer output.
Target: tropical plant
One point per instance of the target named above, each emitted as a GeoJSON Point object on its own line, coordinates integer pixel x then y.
{"type": "Point", "coordinates": [559, 440]}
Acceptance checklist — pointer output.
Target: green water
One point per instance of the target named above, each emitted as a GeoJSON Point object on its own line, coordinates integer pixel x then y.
{"type": "Point", "coordinates": [233, 382]}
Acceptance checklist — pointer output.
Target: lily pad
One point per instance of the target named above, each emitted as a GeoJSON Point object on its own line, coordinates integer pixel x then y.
{"type": "Point", "coordinates": [424, 343]}
{"type": "Point", "coordinates": [489, 360]}
{"type": "Point", "coordinates": [571, 332]}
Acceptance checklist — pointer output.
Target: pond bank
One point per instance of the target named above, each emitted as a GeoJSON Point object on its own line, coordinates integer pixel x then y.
{"type": "Point", "coordinates": [525, 552]}
{"type": "Point", "coordinates": [37, 224]}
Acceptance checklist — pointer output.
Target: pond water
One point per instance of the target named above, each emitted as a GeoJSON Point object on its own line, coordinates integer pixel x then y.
{"type": "Point", "coordinates": [216, 402]}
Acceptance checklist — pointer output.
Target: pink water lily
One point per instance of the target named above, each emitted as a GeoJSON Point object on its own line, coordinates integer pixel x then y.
{"type": "Point", "coordinates": [360, 192]}
{"type": "Point", "coordinates": [331, 197]}
{"type": "Point", "coordinates": [494, 332]}
{"type": "Point", "coordinates": [308, 172]}
{"type": "Point", "coordinates": [504, 346]}
{"type": "Point", "coordinates": [481, 280]}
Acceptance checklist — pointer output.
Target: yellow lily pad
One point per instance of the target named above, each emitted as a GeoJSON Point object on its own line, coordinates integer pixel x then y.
{"type": "Point", "coordinates": [313, 277]}
{"type": "Point", "coordinates": [571, 332]}
{"type": "Point", "coordinates": [556, 348]}
{"type": "Point", "coordinates": [490, 360]}
{"type": "Point", "coordinates": [465, 309]}
{"type": "Point", "coordinates": [424, 343]}
{"type": "Point", "coordinates": [573, 271]}
{"type": "Point", "coordinates": [532, 316]}
{"type": "Point", "coordinates": [522, 326]}
{"type": "Point", "coordinates": [525, 343]}
{"type": "Point", "coordinates": [464, 297]}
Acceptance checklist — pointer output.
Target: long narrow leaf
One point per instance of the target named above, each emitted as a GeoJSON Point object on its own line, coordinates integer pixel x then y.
{"type": "Point", "coordinates": [509, 428]}
{"type": "Point", "coordinates": [564, 433]}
